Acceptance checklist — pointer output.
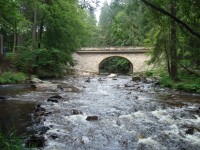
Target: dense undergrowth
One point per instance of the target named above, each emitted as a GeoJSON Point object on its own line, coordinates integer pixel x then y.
{"type": "Point", "coordinates": [188, 82]}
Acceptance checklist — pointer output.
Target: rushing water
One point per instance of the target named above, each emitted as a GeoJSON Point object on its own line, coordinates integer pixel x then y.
{"type": "Point", "coordinates": [135, 116]}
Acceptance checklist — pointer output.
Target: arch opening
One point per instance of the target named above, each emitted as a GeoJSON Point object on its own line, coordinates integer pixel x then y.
{"type": "Point", "coordinates": [116, 64]}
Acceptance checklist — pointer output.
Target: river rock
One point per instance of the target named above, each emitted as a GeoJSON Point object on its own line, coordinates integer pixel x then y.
{"type": "Point", "coordinates": [75, 112]}
{"type": "Point", "coordinates": [112, 75]}
{"type": "Point", "coordinates": [3, 98]}
{"type": "Point", "coordinates": [35, 80]}
{"type": "Point", "coordinates": [88, 80]}
{"type": "Point", "coordinates": [136, 78]}
{"type": "Point", "coordinates": [190, 131]}
{"type": "Point", "coordinates": [53, 100]}
{"type": "Point", "coordinates": [68, 88]}
{"type": "Point", "coordinates": [148, 80]}
{"type": "Point", "coordinates": [129, 84]}
{"type": "Point", "coordinates": [92, 118]}
{"type": "Point", "coordinates": [54, 136]}
{"type": "Point", "coordinates": [56, 96]}
{"type": "Point", "coordinates": [39, 108]}
{"type": "Point", "coordinates": [35, 141]}
{"type": "Point", "coordinates": [43, 129]}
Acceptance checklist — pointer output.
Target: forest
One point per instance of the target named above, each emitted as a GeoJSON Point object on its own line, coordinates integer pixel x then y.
{"type": "Point", "coordinates": [39, 36]}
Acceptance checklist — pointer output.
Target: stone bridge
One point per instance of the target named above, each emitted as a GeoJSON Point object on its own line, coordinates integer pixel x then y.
{"type": "Point", "coordinates": [90, 59]}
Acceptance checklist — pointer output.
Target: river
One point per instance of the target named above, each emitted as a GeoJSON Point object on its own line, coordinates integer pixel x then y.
{"type": "Point", "coordinates": [123, 115]}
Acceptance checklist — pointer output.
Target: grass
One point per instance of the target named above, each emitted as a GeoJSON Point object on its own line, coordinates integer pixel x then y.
{"type": "Point", "coordinates": [12, 77]}
{"type": "Point", "coordinates": [9, 141]}
{"type": "Point", "coordinates": [188, 83]}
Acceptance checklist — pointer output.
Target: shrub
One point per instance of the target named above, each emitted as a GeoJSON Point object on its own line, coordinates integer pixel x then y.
{"type": "Point", "coordinates": [43, 62]}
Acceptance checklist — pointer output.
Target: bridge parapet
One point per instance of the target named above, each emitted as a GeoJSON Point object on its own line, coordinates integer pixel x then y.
{"type": "Point", "coordinates": [114, 48]}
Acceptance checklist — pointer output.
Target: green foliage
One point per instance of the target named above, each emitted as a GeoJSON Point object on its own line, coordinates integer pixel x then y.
{"type": "Point", "coordinates": [122, 23]}
{"type": "Point", "coordinates": [149, 73]}
{"type": "Point", "coordinates": [43, 62]}
{"type": "Point", "coordinates": [12, 77]}
{"type": "Point", "coordinates": [9, 141]}
{"type": "Point", "coordinates": [189, 83]}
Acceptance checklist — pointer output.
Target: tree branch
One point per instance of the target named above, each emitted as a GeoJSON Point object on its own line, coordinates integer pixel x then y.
{"type": "Point", "coordinates": [146, 2]}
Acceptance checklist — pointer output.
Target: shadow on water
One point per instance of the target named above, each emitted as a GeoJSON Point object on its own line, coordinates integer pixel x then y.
{"type": "Point", "coordinates": [15, 115]}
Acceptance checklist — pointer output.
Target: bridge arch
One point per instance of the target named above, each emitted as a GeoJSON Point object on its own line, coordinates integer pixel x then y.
{"type": "Point", "coordinates": [115, 56]}
{"type": "Point", "coordinates": [89, 59]}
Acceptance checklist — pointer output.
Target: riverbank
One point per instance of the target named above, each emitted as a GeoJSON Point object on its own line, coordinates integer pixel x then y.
{"type": "Point", "coordinates": [187, 82]}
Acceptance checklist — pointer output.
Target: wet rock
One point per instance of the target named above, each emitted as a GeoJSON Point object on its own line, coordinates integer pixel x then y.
{"type": "Point", "coordinates": [76, 112]}
{"type": "Point", "coordinates": [130, 84]}
{"type": "Point", "coordinates": [43, 129]}
{"type": "Point", "coordinates": [39, 113]}
{"type": "Point", "coordinates": [88, 80]}
{"type": "Point", "coordinates": [35, 80]}
{"type": "Point", "coordinates": [190, 131]}
{"type": "Point", "coordinates": [54, 136]}
{"type": "Point", "coordinates": [47, 113]}
{"type": "Point", "coordinates": [136, 78]}
{"type": "Point", "coordinates": [56, 96]}
{"type": "Point", "coordinates": [147, 80]}
{"type": "Point", "coordinates": [44, 85]}
{"type": "Point", "coordinates": [33, 86]}
{"type": "Point", "coordinates": [114, 78]}
{"type": "Point", "coordinates": [100, 79]}
{"type": "Point", "coordinates": [136, 97]}
{"type": "Point", "coordinates": [52, 100]}
{"type": "Point", "coordinates": [67, 88]}
{"type": "Point", "coordinates": [92, 118]}
{"type": "Point", "coordinates": [3, 98]}
{"type": "Point", "coordinates": [39, 108]}
{"type": "Point", "coordinates": [112, 75]}
{"type": "Point", "coordinates": [35, 141]}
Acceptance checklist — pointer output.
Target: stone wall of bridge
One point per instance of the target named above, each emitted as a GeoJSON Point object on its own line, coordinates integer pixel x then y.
{"type": "Point", "coordinates": [90, 62]}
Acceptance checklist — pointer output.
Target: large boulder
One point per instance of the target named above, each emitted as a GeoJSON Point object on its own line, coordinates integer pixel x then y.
{"type": "Point", "coordinates": [42, 85]}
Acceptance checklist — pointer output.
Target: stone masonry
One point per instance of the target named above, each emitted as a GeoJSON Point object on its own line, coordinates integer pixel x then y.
{"type": "Point", "coordinates": [89, 59]}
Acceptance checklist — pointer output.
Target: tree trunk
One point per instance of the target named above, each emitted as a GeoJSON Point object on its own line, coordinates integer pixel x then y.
{"type": "Point", "coordinates": [34, 30]}
{"type": "Point", "coordinates": [173, 52]}
{"type": "Point", "coordinates": [14, 43]}
{"type": "Point", "coordinates": [40, 33]}
{"type": "Point", "coordinates": [1, 44]}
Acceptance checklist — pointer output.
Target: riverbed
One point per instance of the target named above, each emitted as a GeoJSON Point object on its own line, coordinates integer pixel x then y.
{"type": "Point", "coordinates": [100, 113]}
